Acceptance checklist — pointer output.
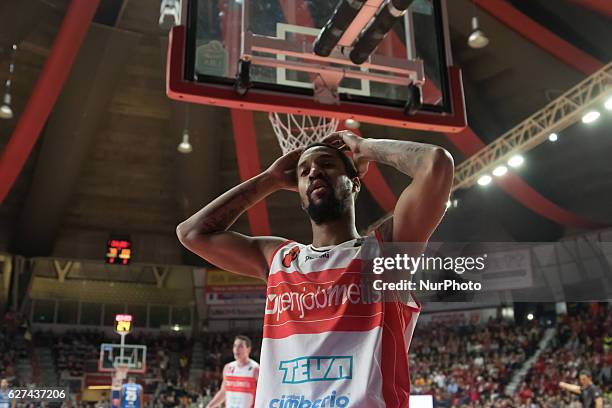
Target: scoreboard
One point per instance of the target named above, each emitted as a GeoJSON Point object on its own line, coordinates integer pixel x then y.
{"type": "Point", "coordinates": [119, 251]}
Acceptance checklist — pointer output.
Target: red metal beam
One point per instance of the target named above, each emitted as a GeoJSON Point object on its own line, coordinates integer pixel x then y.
{"type": "Point", "coordinates": [48, 87]}
{"type": "Point", "coordinates": [519, 189]}
{"type": "Point", "coordinates": [599, 6]}
{"type": "Point", "coordinates": [540, 36]}
{"type": "Point", "coordinates": [248, 165]}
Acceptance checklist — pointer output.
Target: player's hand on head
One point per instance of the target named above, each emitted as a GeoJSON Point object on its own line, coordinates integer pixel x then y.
{"type": "Point", "coordinates": [284, 170]}
{"type": "Point", "coordinates": [335, 140]}
{"type": "Point", "coordinates": [353, 144]}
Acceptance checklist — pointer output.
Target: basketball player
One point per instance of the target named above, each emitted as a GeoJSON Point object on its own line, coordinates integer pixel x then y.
{"type": "Point", "coordinates": [590, 394]}
{"type": "Point", "coordinates": [131, 394]}
{"type": "Point", "coordinates": [326, 342]}
{"type": "Point", "coordinates": [239, 378]}
{"type": "Point", "coordinates": [5, 401]}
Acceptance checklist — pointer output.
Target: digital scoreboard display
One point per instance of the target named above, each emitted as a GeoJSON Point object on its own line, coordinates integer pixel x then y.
{"type": "Point", "coordinates": [119, 251]}
{"type": "Point", "coordinates": [123, 323]}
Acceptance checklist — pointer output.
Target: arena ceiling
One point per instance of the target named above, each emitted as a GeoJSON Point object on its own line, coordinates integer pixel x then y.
{"type": "Point", "coordinates": [106, 160]}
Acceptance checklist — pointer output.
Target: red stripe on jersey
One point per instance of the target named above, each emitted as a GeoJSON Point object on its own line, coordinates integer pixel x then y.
{"type": "Point", "coordinates": [359, 323]}
{"type": "Point", "coordinates": [333, 299]}
{"type": "Point", "coordinates": [294, 276]}
{"type": "Point", "coordinates": [394, 360]}
{"type": "Point", "coordinates": [320, 277]}
{"type": "Point", "coordinates": [378, 236]}
{"type": "Point", "coordinates": [240, 384]}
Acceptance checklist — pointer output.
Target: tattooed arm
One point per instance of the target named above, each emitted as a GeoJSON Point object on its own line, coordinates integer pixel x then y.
{"type": "Point", "coordinates": [206, 232]}
{"type": "Point", "coordinates": [422, 204]}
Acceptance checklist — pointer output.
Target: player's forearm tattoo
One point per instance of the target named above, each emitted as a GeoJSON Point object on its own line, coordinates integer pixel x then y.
{"type": "Point", "coordinates": [222, 212]}
{"type": "Point", "coordinates": [407, 157]}
{"type": "Point", "coordinates": [222, 217]}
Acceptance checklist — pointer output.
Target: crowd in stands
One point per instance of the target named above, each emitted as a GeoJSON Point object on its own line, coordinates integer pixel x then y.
{"type": "Point", "coordinates": [466, 364]}
{"type": "Point", "coordinates": [583, 342]}
{"type": "Point", "coordinates": [8, 356]}
{"type": "Point", "coordinates": [460, 365]}
{"type": "Point", "coordinates": [14, 329]}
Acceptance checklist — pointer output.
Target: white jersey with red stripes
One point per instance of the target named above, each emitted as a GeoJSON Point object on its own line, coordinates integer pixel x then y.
{"type": "Point", "coordinates": [240, 382]}
{"type": "Point", "coordinates": [328, 341]}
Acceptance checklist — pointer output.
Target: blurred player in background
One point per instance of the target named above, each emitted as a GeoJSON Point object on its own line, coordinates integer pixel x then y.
{"type": "Point", "coordinates": [590, 394]}
{"type": "Point", "coordinates": [239, 378]}
{"type": "Point", "coordinates": [131, 394]}
{"type": "Point", "coordinates": [5, 401]}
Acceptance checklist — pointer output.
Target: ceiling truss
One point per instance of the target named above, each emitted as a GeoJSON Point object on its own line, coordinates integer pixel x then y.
{"type": "Point", "coordinates": [556, 116]}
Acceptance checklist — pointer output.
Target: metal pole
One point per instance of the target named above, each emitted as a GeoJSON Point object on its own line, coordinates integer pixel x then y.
{"type": "Point", "coordinates": [122, 346]}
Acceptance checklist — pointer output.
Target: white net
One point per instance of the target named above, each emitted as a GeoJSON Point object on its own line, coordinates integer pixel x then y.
{"type": "Point", "coordinates": [295, 131]}
{"type": "Point", "coordinates": [119, 375]}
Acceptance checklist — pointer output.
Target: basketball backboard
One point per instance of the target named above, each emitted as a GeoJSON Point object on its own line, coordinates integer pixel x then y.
{"type": "Point", "coordinates": [134, 356]}
{"type": "Point", "coordinates": [268, 46]}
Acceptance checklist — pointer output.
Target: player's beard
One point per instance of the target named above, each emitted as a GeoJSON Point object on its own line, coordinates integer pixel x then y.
{"type": "Point", "coordinates": [329, 208]}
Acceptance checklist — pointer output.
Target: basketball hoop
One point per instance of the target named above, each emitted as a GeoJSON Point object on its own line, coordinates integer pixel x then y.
{"type": "Point", "coordinates": [295, 131]}
{"type": "Point", "coordinates": [121, 372]}
{"type": "Point", "coordinates": [119, 375]}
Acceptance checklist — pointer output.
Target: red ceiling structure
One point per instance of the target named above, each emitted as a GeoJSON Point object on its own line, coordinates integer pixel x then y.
{"type": "Point", "coordinates": [599, 6]}
{"type": "Point", "coordinates": [540, 36]}
{"type": "Point", "coordinates": [48, 87]}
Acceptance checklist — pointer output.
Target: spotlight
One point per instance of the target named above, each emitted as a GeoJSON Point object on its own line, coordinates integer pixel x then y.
{"type": "Point", "coordinates": [553, 137]}
{"type": "Point", "coordinates": [6, 112]}
{"type": "Point", "coordinates": [455, 203]}
{"type": "Point", "coordinates": [477, 39]}
{"type": "Point", "coordinates": [590, 117]}
{"type": "Point", "coordinates": [176, 327]}
{"type": "Point", "coordinates": [608, 103]}
{"type": "Point", "coordinates": [484, 180]}
{"type": "Point", "coordinates": [500, 171]}
{"type": "Point", "coordinates": [530, 316]}
{"type": "Point", "coordinates": [185, 147]}
{"type": "Point", "coordinates": [352, 124]}
{"type": "Point", "coordinates": [516, 161]}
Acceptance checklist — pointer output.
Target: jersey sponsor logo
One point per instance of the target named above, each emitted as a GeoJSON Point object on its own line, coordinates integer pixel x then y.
{"type": "Point", "coordinates": [237, 383]}
{"type": "Point", "coordinates": [297, 300]}
{"type": "Point", "coordinates": [291, 256]}
{"type": "Point", "coordinates": [300, 401]}
{"type": "Point", "coordinates": [314, 368]}
{"type": "Point", "coordinates": [310, 258]}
